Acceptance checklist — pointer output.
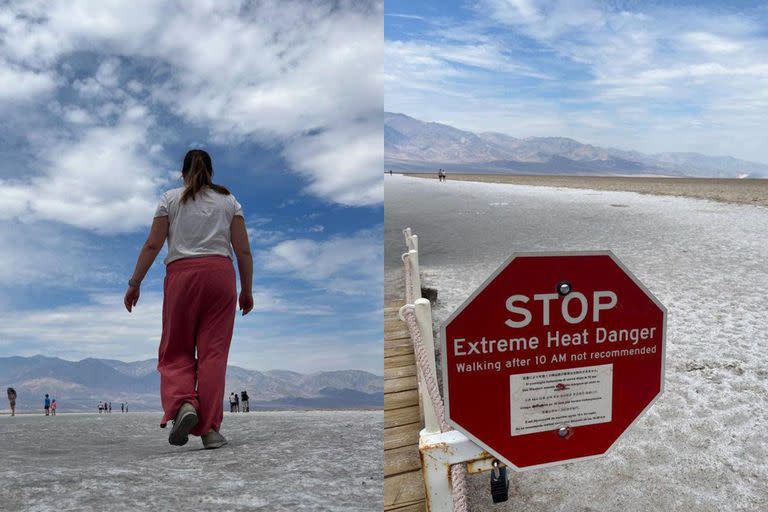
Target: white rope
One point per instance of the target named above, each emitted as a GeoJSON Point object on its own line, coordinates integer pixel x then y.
{"type": "Point", "coordinates": [408, 314]}
{"type": "Point", "coordinates": [422, 360]}
{"type": "Point", "coordinates": [459, 487]}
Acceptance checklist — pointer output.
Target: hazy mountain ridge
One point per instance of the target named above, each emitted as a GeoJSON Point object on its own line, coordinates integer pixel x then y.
{"type": "Point", "coordinates": [82, 384]}
{"type": "Point", "coordinates": [411, 144]}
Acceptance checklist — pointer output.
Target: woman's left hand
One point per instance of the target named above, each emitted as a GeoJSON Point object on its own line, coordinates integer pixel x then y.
{"type": "Point", "coordinates": [131, 297]}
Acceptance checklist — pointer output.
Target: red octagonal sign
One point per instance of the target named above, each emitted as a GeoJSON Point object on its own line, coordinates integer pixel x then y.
{"type": "Point", "coordinates": [553, 358]}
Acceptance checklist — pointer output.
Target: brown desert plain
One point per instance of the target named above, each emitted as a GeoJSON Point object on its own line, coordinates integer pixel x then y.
{"type": "Point", "coordinates": [743, 191]}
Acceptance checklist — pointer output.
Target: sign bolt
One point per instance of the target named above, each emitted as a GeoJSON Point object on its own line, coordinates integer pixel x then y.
{"type": "Point", "coordinates": [563, 288]}
{"type": "Point", "coordinates": [564, 432]}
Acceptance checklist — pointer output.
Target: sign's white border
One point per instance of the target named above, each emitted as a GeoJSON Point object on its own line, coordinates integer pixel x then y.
{"type": "Point", "coordinates": [444, 363]}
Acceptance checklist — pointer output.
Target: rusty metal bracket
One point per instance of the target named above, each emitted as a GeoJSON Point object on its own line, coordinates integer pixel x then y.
{"type": "Point", "coordinates": [438, 452]}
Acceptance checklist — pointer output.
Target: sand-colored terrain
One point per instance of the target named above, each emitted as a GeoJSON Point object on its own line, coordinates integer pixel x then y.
{"type": "Point", "coordinates": [745, 191]}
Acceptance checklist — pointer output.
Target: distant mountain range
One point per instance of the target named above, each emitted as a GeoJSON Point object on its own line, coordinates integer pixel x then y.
{"type": "Point", "coordinates": [80, 385]}
{"type": "Point", "coordinates": [413, 145]}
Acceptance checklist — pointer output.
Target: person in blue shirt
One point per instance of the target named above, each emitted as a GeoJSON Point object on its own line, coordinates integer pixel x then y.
{"type": "Point", "coordinates": [47, 405]}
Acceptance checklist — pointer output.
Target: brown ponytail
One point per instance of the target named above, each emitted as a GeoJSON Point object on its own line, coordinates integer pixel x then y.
{"type": "Point", "coordinates": [198, 172]}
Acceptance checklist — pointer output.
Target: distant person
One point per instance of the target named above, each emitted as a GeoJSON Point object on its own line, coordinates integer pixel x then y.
{"type": "Point", "coordinates": [244, 400]}
{"type": "Point", "coordinates": [53, 407]}
{"type": "Point", "coordinates": [100, 407]}
{"type": "Point", "coordinates": [203, 223]}
{"type": "Point", "coordinates": [126, 407]}
{"type": "Point", "coordinates": [12, 400]}
{"type": "Point", "coordinates": [232, 402]}
{"type": "Point", "coordinates": [237, 402]}
{"type": "Point", "coordinates": [390, 172]}
{"type": "Point", "coordinates": [122, 407]}
{"type": "Point", "coordinates": [47, 405]}
{"type": "Point", "coordinates": [110, 407]}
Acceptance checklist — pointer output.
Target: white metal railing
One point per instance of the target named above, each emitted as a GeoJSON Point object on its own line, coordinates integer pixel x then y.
{"type": "Point", "coordinates": [411, 262]}
{"type": "Point", "coordinates": [446, 455]}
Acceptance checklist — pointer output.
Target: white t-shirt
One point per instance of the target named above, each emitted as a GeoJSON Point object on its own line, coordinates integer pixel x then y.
{"type": "Point", "coordinates": [199, 227]}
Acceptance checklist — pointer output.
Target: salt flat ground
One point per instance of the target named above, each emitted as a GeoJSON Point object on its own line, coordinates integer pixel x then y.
{"type": "Point", "coordinates": [315, 460]}
{"type": "Point", "coordinates": [703, 446]}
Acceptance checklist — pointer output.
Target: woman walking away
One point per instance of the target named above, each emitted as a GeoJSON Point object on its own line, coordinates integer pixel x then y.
{"type": "Point", "coordinates": [12, 399]}
{"type": "Point", "coordinates": [202, 222]}
{"type": "Point", "coordinates": [53, 407]}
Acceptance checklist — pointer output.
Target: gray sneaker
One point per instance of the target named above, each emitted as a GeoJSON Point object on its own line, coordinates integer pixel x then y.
{"type": "Point", "coordinates": [185, 421]}
{"type": "Point", "coordinates": [213, 440]}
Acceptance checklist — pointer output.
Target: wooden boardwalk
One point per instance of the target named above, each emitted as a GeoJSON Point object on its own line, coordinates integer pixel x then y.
{"type": "Point", "coordinates": [403, 484]}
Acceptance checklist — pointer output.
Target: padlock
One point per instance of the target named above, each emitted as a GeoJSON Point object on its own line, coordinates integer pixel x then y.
{"type": "Point", "coordinates": [499, 483]}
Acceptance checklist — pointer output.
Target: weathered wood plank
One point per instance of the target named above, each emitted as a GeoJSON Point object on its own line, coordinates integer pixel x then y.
{"type": "Point", "coordinates": [404, 335]}
{"type": "Point", "coordinates": [403, 488]}
{"type": "Point", "coordinates": [398, 350]}
{"type": "Point", "coordinates": [401, 384]}
{"type": "Point", "coordinates": [403, 416]}
{"type": "Point", "coordinates": [403, 342]}
{"type": "Point", "coordinates": [403, 484]}
{"type": "Point", "coordinates": [394, 323]}
{"type": "Point", "coordinates": [401, 460]}
{"type": "Point", "coordinates": [421, 506]}
{"type": "Point", "coordinates": [397, 361]}
{"type": "Point", "coordinates": [399, 372]}
{"type": "Point", "coordinates": [400, 399]}
{"type": "Point", "coordinates": [405, 435]}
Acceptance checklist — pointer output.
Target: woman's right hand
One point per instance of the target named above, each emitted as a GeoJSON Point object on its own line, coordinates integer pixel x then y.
{"type": "Point", "coordinates": [246, 301]}
{"type": "Point", "coordinates": [131, 297]}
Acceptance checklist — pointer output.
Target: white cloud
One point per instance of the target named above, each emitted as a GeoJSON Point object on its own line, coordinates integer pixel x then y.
{"type": "Point", "coordinates": [103, 328]}
{"type": "Point", "coordinates": [347, 265]}
{"type": "Point", "coordinates": [404, 16]}
{"type": "Point", "coordinates": [340, 163]}
{"type": "Point", "coordinates": [546, 19]}
{"type": "Point", "coordinates": [77, 115]}
{"type": "Point", "coordinates": [309, 80]}
{"type": "Point", "coordinates": [259, 235]}
{"type": "Point", "coordinates": [105, 179]}
{"type": "Point", "coordinates": [39, 254]}
{"type": "Point", "coordinates": [14, 200]}
{"type": "Point", "coordinates": [711, 43]}
{"type": "Point", "coordinates": [348, 349]}
{"type": "Point", "coordinates": [430, 66]}
{"type": "Point", "coordinates": [693, 76]}
{"type": "Point", "coordinates": [267, 300]}
{"type": "Point", "coordinates": [289, 74]}
{"type": "Point", "coordinates": [18, 84]}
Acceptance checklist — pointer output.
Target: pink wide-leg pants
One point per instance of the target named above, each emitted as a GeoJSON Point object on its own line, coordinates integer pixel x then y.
{"type": "Point", "coordinates": [199, 304]}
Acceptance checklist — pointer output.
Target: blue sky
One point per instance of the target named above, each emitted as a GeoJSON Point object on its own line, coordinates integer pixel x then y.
{"type": "Point", "coordinates": [100, 102]}
{"type": "Point", "coordinates": [648, 76]}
